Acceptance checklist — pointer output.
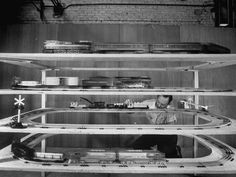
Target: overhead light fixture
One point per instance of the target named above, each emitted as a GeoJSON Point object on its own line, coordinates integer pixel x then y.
{"type": "Point", "coordinates": [223, 24]}
{"type": "Point", "coordinates": [224, 13]}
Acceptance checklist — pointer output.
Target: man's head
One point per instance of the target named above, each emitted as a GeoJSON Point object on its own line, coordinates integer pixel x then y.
{"type": "Point", "coordinates": [163, 100]}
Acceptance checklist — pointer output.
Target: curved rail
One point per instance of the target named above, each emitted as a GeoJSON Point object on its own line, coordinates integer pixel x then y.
{"type": "Point", "coordinates": [216, 124]}
{"type": "Point", "coordinates": [221, 160]}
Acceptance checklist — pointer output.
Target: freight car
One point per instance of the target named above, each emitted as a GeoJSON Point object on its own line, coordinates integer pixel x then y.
{"type": "Point", "coordinates": [22, 151]}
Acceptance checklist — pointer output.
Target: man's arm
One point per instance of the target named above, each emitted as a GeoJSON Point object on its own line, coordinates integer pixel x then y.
{"type": "Point", "coordinates": [160, 118]}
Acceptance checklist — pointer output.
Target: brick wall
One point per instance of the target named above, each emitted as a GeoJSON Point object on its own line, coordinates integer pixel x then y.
{"type": "Point", "coordinates": [167, 12]}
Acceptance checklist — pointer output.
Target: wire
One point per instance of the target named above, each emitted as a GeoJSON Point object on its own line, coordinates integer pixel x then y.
{"type": "Point", "coordinates": [54, 3]}
{"type": "Point", "coordinates": [38, 9]}
{"type": "Point", "coordinates": [86, 100]}
{"type": "Point", "coordinates": [141, 4]}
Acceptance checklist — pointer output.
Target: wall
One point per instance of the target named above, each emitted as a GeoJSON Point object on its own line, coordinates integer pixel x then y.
{"type": "Point", "coordinates": [175, 12]}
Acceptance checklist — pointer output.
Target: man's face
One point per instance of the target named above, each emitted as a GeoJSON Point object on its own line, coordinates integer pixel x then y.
{"type": "Point", "coordinates": [162, 102]}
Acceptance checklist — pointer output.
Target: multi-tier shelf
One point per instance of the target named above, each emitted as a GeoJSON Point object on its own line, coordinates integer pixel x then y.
{"type": "Point", "coordinates": [221, 159]}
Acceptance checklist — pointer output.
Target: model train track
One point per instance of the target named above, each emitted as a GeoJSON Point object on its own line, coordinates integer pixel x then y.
{"type": "Point", "coordinates": [220, 160]}
{"type": "Point", "coordinates": [215, 124]}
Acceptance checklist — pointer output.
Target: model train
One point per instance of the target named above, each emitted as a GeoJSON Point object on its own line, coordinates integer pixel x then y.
{"type": "Point", "coordinates": [98, 82]}
{"type": "Point", "coordinates": [99, 105]}
{"type": "Point", "coordinates": [54, 46]}
{"type": "Point", "coordinates": [90, 156]}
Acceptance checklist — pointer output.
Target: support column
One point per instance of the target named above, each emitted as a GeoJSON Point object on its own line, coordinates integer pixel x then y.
{"type": "Point", "coordinates": [43, 118]}
{"type": "Point", "coordinates": [196, 101]}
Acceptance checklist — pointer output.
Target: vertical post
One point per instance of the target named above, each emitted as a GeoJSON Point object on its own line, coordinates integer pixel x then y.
{"type": "Point", "coordinates": [43, 118]}
{"type": "Point", "coordinates": [196, 101]}
{"type": "Point", "coordinates": [18, 116]}
{"type": "Point", "coordinates": [43, 76]}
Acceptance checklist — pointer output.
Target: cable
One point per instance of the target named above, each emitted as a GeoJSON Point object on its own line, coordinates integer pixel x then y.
{"type": "Point", "coordinates": [140, 4]}
{"type": "Point", "coordinates": [86, 100]}
{"type": "Point", "coordinates": [56, 2]}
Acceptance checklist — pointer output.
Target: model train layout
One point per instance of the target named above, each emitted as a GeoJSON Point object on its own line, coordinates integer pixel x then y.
{"type": "Point", "coordinates": [220, 160]}
{"type": "Point", "coordinates": [88, 156]}
{"type": "Point", "coordinates": [215, 124]}
{"type": "Point", "coordinates": [23, 156]}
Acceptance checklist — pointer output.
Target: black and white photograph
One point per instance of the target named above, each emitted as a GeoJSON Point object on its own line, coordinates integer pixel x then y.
{"type": "Point", "coordinates": [118, 88]}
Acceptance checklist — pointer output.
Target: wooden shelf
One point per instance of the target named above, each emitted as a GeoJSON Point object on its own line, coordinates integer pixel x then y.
{"type": "Point", "coordinates": [36, 60]}
{"type": "Point", "coordinates": [60, 91]}
{"type": "Point", "coordinates": [117, 57]}
{"type": "Point", "coordinates": [16, 165]}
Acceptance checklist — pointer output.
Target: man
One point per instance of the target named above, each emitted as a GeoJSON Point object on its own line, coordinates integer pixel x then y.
{"type": "Point", "coordinates": [165, 143]}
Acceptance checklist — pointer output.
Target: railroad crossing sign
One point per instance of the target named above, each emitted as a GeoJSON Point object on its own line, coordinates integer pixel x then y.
{"type": "Point", "coordinates": [19, 105]}
{"type": "Point", "coordinates": [19, 102]}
